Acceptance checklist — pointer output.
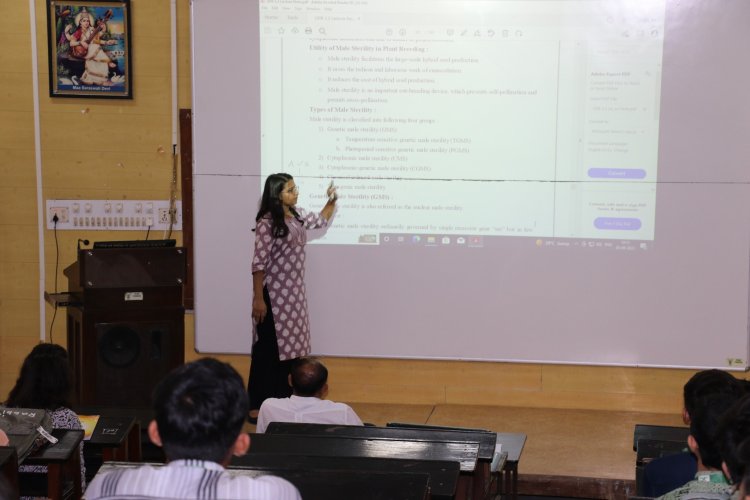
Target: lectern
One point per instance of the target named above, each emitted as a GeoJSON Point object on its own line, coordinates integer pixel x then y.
{"type": "Point", "coordinates": [126, 327]}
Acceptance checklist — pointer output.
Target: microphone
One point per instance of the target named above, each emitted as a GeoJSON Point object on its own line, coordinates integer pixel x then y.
{"type": "Point", "coordinates": [85, 242]}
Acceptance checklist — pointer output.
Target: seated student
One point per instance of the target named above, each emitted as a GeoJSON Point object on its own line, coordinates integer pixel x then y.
{"type": "Point", "coordinates": [309, 381]}
{"type": "Point", "coordinates": [734, 430]}
{"type": "Point", "coordinates": [709, 480]}
{"type": "Point", "coordinates": [743, 453]}
{"type": "Point", "coordinates": [200, 408]}
{"type": "Point", "coordinates": [45, 382]}
{"type": "Point", "coordinates": [667, 473]}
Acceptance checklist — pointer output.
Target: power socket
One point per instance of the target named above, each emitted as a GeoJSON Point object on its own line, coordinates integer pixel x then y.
{"type": "Point", "coordinates": [61, 212]}
{"type": "Point", "coordinates": [164, 216]}
{"type": "Point", "coordinates": [113, 215]}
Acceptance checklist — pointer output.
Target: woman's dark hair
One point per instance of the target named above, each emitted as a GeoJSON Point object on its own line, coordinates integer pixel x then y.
{"type": "Point", "coordinates": [270, 203]}
{"type": "Point", "coordinates": [44, 381]}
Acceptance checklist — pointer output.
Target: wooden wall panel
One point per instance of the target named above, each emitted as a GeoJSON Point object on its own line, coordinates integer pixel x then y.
{"type": "Point", "coordinates": [16, 130]}
{"type": "Point", "coordinates": [19, 206]}
{"type": "Point", "coordinates": [615, 379]}
{"type": "Point", "coordinates": [20, 318]}
{"type": "Point", "coordinates": [13, 349]}
{"type": "Point", "coordinates": [17, 167]}
{"type": "Point", "coordinates": [111, 170]}
{"type": "Point", "coordinates": [20, 280]}
{"type": "Point", "coordinates": [16, 48]}
{"type": "Point", "coordinates": [15, 92]}
{"type": "Point", "coordinates": [15, 243]}
{"type": "Point", "coordinates": [124, 134]}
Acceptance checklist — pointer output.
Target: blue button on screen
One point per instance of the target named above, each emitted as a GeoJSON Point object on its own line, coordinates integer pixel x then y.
{"type": "Point", "coordinates": [617, 173]}
{"type": "Point", "coordinates": [617, 223]}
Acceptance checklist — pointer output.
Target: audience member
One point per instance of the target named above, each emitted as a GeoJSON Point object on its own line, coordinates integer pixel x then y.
{"type": "Point", "coordinates": [309, 381]}
{"type": "Point", "coordinates": [665, 474]}
{"type": "Point", "coordinates": [199, 411]}
{"type": "Point", "coordinates": [45, 382]}
{"type": "Point", "coordinates": [734, 429]}
{"type": "Point", "coordinates": [703, 443]}
{"type": "Point", "coordinates": [743, 490]}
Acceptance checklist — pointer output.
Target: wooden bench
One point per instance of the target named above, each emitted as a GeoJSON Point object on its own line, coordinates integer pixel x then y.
{"type": "Point", "coordinates": [447, 451]}
{"type": "Point", "coordinates": [655, 441]}
{"type": "Point", "coordinates": [117, 438]}
{"type": "Point", "coordinates": [463, 453]}
{"type": "Point", "coordinates": [63, 461]}
{"type": "Point", "coordinates": [659, 433]}
{"type": "Point", "coordinates": [476, 480]}
{"type": "Point", "coordinates": [511, 443]}
{"type": "Point", "coordinates": [443, 476]}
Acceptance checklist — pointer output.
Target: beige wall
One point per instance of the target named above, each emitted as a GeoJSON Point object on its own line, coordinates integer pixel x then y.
{"type": "Point", "coordinates": [98, 149]}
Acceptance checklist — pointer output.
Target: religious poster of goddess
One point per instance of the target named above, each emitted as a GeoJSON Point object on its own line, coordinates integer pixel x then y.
{"type": "Point", "coordinates": [89, 49]}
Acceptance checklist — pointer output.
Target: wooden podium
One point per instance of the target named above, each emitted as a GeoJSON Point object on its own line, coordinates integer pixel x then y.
{"type": "Point", "coordinates": [126, 327]}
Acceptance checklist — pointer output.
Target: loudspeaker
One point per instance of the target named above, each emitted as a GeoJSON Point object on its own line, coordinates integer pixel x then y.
{"type": "Point", "coordinates": [127, 329]}
{"type": "Point", "coordinates": [118, 357]}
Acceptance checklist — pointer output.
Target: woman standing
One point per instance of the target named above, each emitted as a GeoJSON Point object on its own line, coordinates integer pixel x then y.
{"type": "Point", "coordinates": [279, 303]}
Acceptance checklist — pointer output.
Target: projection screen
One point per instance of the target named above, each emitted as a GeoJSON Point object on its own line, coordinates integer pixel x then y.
{"type": "Point", "coordinates": [535, 181]}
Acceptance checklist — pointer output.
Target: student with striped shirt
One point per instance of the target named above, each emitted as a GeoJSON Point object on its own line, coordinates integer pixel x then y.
{"type": "Point", "coordinates": [200, 408]}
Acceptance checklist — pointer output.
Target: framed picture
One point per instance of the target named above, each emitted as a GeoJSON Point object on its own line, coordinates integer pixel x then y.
{"type": "Point", "coordinates": [89, 49]}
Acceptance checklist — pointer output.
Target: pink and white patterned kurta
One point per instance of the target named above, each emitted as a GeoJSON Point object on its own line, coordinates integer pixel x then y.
{"type": "Point", "coordinates": [283, 261]}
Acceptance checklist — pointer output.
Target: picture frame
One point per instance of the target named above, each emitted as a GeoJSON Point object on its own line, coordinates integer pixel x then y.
{"type": "Point", "coordinates": [89, 49]}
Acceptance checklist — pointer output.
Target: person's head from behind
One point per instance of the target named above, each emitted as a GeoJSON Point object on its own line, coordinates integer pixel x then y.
{"type": "Point", "coordinates": [704, 424]}
{"type": "Point", "coordinates": [44, 380]}
{"type": "Point", "coordinates": [734, 428]}
{"type": "Point", "coordinates": [705, 383]}
{"type": "Point", "coordinates": [199, 409]}
{"type": "Point", "coordinates": [309, 378]}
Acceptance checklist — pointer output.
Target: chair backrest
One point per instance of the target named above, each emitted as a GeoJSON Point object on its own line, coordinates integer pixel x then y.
{"type": "Point", "coordinates": [8, 472]}
{"type": "Point", "coordinates": [659, 433]}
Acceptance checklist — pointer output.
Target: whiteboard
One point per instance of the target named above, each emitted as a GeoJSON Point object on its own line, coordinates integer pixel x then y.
{"type": "Point", "coordinates": [680, 301]}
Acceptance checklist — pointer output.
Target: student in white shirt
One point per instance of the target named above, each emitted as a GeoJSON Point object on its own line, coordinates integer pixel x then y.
{"type": "Point", "coordinates": [309, 381]}
{"type": "Point", "coordinates": [200, 408]}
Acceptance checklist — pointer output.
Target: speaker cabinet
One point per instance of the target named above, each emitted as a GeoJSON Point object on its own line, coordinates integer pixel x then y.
{"type": "Point", "coordinates": [118, 357]}
{"type": "Point", "coordinates": [128, 329]}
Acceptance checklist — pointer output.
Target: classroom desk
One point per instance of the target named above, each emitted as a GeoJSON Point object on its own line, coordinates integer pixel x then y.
{"type": "Point", "coordinates": [486, 439]}
{"type": "Point", "coordinates": [463, 453]}
{"type": "Point", "coordinates": [8, 472]}
{"type": "Point", "coordinates": [334, 484]}
{"type": "Point", "coordinates": [62, 457]}
{"type": "Point", "coordinates": [655, 441]}
{"type": "Point", "coordinates": [443, 476]}
{"type": "Point", "coordinates": [511, 443]}
{"type": "Point", "coordinates": [482, 480]}
{"type": "Point", "coordinates": [117, 437]}
{"type": "Point", "coordinates": [659, 433]}
{"type": "Point", "coordinates": [477, 481]}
